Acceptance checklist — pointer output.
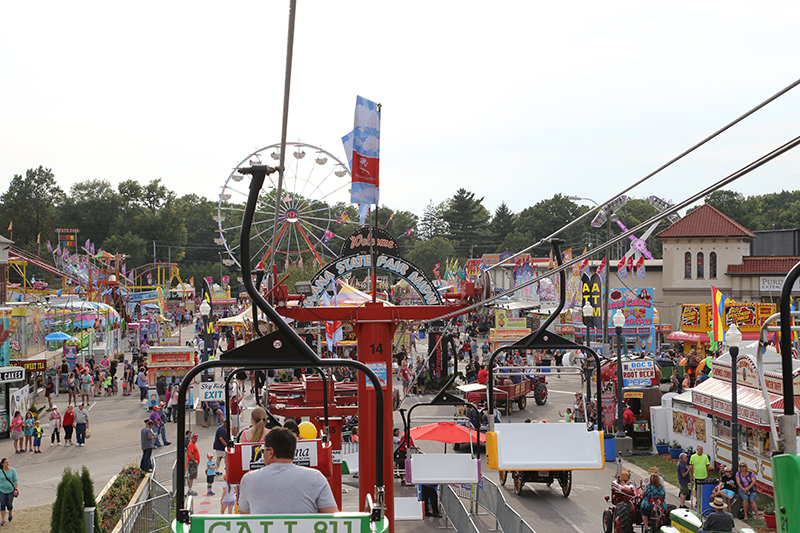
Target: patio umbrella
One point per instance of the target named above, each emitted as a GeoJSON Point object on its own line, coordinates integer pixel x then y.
{"type": "Point", "coordinates": [59, 336]}
{"type": "Point", "coordinates": [447, 432]}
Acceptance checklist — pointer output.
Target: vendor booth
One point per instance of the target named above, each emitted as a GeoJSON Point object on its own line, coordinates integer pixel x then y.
{"type": "Point", "coordinates": [696, 322]}
{"type": "Point", "coordinates": [173, 362]}
{"type": "Point", "coordinates": [714, 397]}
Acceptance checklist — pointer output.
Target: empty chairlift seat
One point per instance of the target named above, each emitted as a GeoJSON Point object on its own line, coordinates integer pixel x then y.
{"type": "Point", "coordinates": [437, 469]}
{"type": "Point", "coordinates": [544, 447]}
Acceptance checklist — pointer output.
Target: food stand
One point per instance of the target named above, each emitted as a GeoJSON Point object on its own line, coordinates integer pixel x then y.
{"type": "Point", "coordinates": [640, 390]}
{"type": "Point", "coordinates": [696, 322]}
{"type": "Point", "coordinates": [507, 330]}
{"type": "Point", "coordinates": [713, 396]}
{"type": "Point", "coordinates": [171, 361]}
{"type": "Point", "coordinates": [8, 375]}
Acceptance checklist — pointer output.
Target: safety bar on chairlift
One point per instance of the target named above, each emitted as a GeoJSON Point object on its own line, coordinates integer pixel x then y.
{"type": "Point", "coordinates": [788, 424]}
{"type": "Point", "coordinates": [228, 378]}
{"type": "Point", "coordinates": [184, 514]}
{"type": "Point", "coordinates": [443, 398]}
{"type": "Point", "coordinates": [763, 340]}
{"type": "Point", "coordinates": [555, 243]}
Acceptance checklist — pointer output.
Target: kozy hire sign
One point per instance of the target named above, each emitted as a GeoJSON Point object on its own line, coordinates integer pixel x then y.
{"type": "Point", "coordinates": [639, 373]}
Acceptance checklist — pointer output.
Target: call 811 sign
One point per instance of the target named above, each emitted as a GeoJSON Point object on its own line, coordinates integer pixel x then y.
{"type": "Point", "coordinates": [640, 374]}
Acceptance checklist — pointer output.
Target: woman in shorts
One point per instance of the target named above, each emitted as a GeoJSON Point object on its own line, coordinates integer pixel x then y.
{"type": "Point", "coordinates": [17, 425]}
{"type": "Point", "coordinates": [72, 389]}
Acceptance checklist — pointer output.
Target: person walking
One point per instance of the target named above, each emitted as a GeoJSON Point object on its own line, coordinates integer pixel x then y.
{"type": "Point", "coordinates": [148, 437]}
{"type": "Point", "coordinates": [86, 385]}
{"type": "Point", "coordinates": [81, 425]}
{"type": "Point", "coordinates": [17, 433]}
{"type": "Point", "coordinates": [68, 421]}
{"type": "Point", "coordinates": [72, 389]}
{"type": "Point", "coordinates": [192, 462]}
{"type": "Point", "coordinates": [55, 425]}
{"type": "Point", "coordinates": [684, 479]}
{"type": "Point", "coordinates": [141, 382]}
{"type": "Point", "coordinates": [9, 489]}
{"type": "Point", "coordinates": [220, 443]}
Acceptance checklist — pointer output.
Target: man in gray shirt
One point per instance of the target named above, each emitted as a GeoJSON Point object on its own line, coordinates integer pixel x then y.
{"type": "Point", "coordinates": [81, 425]}
{"type": "Point", "coordinates": [147, 437]}
{"type": "Point", "coordinates": [282, 487]}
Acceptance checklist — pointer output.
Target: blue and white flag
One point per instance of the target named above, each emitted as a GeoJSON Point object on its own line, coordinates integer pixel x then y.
{"type": "Point", "coordinates": [362, 146]}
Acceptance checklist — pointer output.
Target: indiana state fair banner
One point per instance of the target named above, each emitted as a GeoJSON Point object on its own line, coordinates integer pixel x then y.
{"type": "Point", "coordinates": [362, 146]}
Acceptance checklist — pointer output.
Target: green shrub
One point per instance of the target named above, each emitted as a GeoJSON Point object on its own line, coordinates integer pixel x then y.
{"type": "Point", "coordinates": [60, 491]}
{"type": "Point", "coordinates": [117, 497]}
{"type": "Point", "coordinates": [72, 518]}
{"type": "Point", "coordinates": [88, 487]}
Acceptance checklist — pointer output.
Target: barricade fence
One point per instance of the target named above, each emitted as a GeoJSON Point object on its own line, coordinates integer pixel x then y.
{"type": "Point", "coordinates": [455, 512]}
{"type": "Point", "coordinates": [151, 515]}
{"type": "Point", "coordinates": [163, 467]}
{"type": "Point", "coordinates": [490, 498]}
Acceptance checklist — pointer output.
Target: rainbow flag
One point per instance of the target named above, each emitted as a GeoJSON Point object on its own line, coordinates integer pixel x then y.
{"type": "Point", "coordinates": [718, 314]}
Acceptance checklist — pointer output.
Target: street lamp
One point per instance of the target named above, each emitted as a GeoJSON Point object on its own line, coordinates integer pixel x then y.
{"type": "Point", "coordinates": [734, 338]}
{"type": "Point", "coordinates": [619, 321]}
{"type": "Point", "coordinates": [588, 313]}
{"type": "Point", "coordinates": [205, 310]}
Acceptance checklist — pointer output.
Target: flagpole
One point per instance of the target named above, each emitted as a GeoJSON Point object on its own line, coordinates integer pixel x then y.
{"type": "Point", "coordinates": [372, 249]}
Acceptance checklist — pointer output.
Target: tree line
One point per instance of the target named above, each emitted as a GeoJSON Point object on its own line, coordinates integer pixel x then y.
{"type": "Point", "coordinates": [149, 222]}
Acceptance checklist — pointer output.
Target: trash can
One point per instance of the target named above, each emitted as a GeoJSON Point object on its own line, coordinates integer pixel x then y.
{"type": "Point", "coordinates": [610, 448]}
{"type": "Point", "coordinates": [546, 361]}
{"type": "Point", "coordinates": [704, 489]}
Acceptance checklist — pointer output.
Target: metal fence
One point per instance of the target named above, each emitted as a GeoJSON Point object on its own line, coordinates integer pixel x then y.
{"type": "Point", "coordinates": [164, 468]}
{"type": "Point", "coordinates": [150, 515]}
{"type": "Point", "coordinates": [491, 498]}
{"type": "Point", "coordinates": [455, 512]}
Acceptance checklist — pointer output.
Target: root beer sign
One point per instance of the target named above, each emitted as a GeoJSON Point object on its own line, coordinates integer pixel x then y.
{"type": "Point", "coordinates": [356, 257]}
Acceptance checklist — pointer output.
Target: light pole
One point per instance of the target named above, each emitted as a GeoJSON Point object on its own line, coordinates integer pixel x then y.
{"type": "Point", "coordinates": [588, 313]}
{"type": "Point", "coordinates": [609, 218]}
{"type": "Point", "coordinates": [205, 309]}
{"type": "Point", "coordinates": [619, 321]}
{"type": "Point", "coordinates": [734, 338]}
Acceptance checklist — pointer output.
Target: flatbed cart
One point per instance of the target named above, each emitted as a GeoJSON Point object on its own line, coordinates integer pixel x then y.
{"type": "Point", "coordinates": [541, 452]}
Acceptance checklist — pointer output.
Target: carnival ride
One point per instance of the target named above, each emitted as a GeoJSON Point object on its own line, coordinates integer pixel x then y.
{"type": "Point", "coordinates": [314, 193]}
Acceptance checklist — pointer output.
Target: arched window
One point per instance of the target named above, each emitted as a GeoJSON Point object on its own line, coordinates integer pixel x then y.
{"type": "Point", "coordinates": [700, 265]}
{"type": "Point", "coordinates": [712, 265]}
{"type": "Point", "coordinates": [687, 265]}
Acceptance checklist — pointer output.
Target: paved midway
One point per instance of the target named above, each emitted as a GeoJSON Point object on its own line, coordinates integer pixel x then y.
{"type": "Point", "coordinates": [115, 423]}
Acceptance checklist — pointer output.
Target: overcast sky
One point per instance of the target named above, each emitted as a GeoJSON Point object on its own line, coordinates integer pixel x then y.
{"type": "Point", "coordinates": [515, 101]}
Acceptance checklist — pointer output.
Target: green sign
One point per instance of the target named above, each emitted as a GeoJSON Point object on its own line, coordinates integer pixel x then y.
{"type": "Point", "coordinates": [338, 523]}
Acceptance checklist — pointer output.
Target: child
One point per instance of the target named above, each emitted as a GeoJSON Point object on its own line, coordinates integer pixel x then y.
{"type": "Point", "coordinates": [211, 471]}
{"type": "Point", "coordinates": [125, 387]}
{"type": "Point", "coordinates": [567, 415]}
{"type": "Point", "coordinates": [29, 420]}
{"type": "Point", "coordinates": [228, 500]}
{"type": "Point", "coordinates": [55, 423]}
{"type": "Point", "coordinates": [107, 385]}
{"type": "Point", "coordinates": [37, 437]}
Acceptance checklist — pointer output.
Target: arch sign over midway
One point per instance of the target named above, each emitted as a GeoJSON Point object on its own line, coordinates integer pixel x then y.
{"type": "Point", "coordinates": [356, 256]}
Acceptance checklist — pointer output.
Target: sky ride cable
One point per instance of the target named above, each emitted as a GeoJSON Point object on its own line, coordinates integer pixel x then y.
{"type": "Point", "coordinates": [622, 236]}
{"type": "Point", "coordinates": [286, 86]}
{"type": "Point", "coordinates": [653, 173]}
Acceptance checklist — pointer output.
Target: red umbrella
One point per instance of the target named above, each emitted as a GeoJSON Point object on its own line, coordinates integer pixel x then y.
{"type": "Point", "coordinates": [447, 432]}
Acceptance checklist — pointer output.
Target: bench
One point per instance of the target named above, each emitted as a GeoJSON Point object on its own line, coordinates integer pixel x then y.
{"type": "Point", "coordinates": [542, 446]}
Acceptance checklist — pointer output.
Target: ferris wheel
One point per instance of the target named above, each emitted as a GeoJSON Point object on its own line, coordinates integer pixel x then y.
{"type": "Point", "coordinates": [315, 192]}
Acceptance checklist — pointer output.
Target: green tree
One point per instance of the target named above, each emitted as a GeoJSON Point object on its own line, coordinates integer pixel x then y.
{"type": "Point", "coordinates": [68, 515]}
{"type": "Point", "coordinates": [502, 224]}
{"type": "Point", "coordinates": [467, 219]}
{"type": "Point", "coordinates": [132, 245]}
{"type": "Point", "coordinates": [548, 216]}
{"type": "Point", "coordinates": [427, 253]}
{"type": "Point", "coordinates": [201, 228]}
{"type": "Point", "coordinates": [91, 207]}
{"type": "Point", "coordinates": [31, 203]}
{"type": "Point", "coordinates": [432, 223]}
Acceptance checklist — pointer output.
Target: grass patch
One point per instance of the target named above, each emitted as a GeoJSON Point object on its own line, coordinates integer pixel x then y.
{"type": "Point", "coordinates": [667, 466]}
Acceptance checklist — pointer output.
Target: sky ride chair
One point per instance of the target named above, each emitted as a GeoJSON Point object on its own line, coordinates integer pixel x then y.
{"type": "Point", "coordinates": [438, 468]}
{"type": "Point", "coordinates": [283, 348]}
{"type": "Point", "coordinates": [539, 451]}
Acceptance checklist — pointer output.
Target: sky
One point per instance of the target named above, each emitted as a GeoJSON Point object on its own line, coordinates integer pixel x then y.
{"type": "Point", "coordinates": [514, 101]}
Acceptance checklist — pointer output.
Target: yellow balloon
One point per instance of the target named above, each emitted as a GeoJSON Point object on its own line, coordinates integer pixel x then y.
{"type": "Point", "coordinates": [307, 430]}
